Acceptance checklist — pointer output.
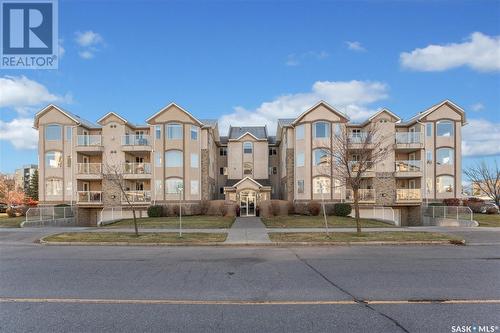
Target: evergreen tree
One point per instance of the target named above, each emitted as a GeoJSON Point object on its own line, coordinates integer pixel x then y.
{"type": "Point", "coordinates": [33, 187]}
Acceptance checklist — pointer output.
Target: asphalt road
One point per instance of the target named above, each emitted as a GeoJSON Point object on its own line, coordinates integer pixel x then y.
{"type": "Point", "coordinates": [144, 289]}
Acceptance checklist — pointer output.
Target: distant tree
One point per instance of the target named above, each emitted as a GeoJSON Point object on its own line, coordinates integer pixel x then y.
{"type": "Point", "coordinates": [33, 187]}
{"type": "Point", "coordinates": [6, 185]}
{"type": "Point", "coordinates": [486, 178]}
{"type": "Point", "coordinates": [15, 197]}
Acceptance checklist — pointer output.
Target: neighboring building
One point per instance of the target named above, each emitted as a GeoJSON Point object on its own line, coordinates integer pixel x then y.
{"type": "Point", "coordinates": [248, 165]}
{"type": "Point", "coordinates": [479, 193]}
{"type": "Point", "coordinates": [22, 176]}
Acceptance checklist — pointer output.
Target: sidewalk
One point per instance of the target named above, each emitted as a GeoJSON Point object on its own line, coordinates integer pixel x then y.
{"type": "Point", "coordinates": [247, 230]}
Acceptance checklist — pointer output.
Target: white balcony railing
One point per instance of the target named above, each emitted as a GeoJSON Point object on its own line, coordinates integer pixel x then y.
{"type": "Point", "coordinates": [355, 165]}
{"type": "Point", "coordinates": [137, 196]}
{"type": "Point", "coordinates": [89, 168]}
{"type": "Point", "coordinates": [89, 140]}
{"type": "Point", "coordinates": [137, 168]}
{"type": "Point", "coordinates": [408, 194]}
{"type": "Point", "coordinates": [409, 137]}
{"type": "Point", "coordinates": [360, 137]}
{"type": "Point", "coordinates": [136, 140]}
{"type": "Point", "coordinates": [365, 195]}
{"type": "Point", "coordinates": [408, 166]}
{"type": "Point", "coordinates": [89, 196]}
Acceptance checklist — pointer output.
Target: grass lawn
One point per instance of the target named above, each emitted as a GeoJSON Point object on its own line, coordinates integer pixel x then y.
{"type": "Point", "coordinates": [10, 222]}
{"type": "Point", "coordinates": [488, 220]}
{"type": "Point", "coordinates": [393, 236]}
{"type": "Point", "coordinates": [144, 238]}
{"type": "Point", "coordinates": [188, 222]}
{"type": "Point", "coordinates": [301, 221]}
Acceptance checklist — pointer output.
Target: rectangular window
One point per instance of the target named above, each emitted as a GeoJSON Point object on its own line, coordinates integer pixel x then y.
{"type": "Point", "coordinates": [299, 132]}
{"type": "Point", "coordinates": [53, 132]}
{"type": "Point", "coordinates": [247, 147]}
{"type": "Point", "coordinates": [300, 159]}
{"type": "Point", "coordinates": [158, 159]}
{"type": "Point", "coordinates": [223, 151]}
{"type": "Point", "coordinates": [68, 161]}
{"type": "Point", "coordinates": [173, 185]}
{"type": "Point", "coordinates": [221, 171]}
{"type": "Point", "coordinates": [53, 159]}
{"type": "Point", "coordinates": [428, 129]}
{"type": "Point", "coordinates": [275, 170]}
{"type": "Point", "coordinates": [158, 189]}
{"type": "Point", "coordinates": [174, 131]}
{"type": "Point", "coordinates": [272, 151]}
{"type": "Point", "coordinates": [194, 160]}
{"type": "Point", "coordinates": [158, 131]}
{"type": "Point", "coordinates": [221, 190]}
{"type": "Point", "coordinates": [53, 187]}
{"type": "Point", "coordinates": [69, 133]}
{"type": "Point", "coordinates": [194, 133]}
{"type": "Point", "coordinates": [444, 128]}
{"type": "Point", "coordinates": [173, 158]}
{"type": "Point", "coordinates": [337, 129]}
{"type": "Point", "coordinates": [321, 130]}
{"type": "Point", "coordinates": [429, 155]}
{"type": "Point", "coordinates": [194, 187]}
{"type": "Point", "coordinates": [69, 188]}
{"type": "Point", "coordinates": [300, 186]}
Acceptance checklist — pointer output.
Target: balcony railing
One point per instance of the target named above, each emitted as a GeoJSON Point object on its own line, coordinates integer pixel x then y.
{"type": "Point", "coordinates": [89, 196]}
{"type": "Point", "coordinates": [365, 195]}
{"type": "Point", "coordinates": [408, 194]}
{"type": "Point", "coordinates": [137, 168]}
{"type": "Point", "coordinates": [406, 138]}
{"type": "Point", "coordinates": [408, 166]}
{"type": "Point", "coordinates": [89, 168]}
{"type": "Point", "coordinates": [137, 196]}
{"type": "Point", "coordinates": [136, 140]}
{"type": "Point", "coordinates": [89, 140]}
{"type": "Point", "coordinates": [355, 165]}
{"type": "Point", "coordinates": [360, 137]}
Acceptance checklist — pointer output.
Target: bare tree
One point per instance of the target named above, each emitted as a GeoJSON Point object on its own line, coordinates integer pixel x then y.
{"type": "Point", "coordinates": [486, 179]}
{"type": "Point", "coordinates": [113, 172]}
{"type": "Point", "coordinates": [368, 147]}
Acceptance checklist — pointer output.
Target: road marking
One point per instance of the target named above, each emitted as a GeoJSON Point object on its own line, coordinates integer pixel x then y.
{"type": "Point", "coordinates": [239, 302]}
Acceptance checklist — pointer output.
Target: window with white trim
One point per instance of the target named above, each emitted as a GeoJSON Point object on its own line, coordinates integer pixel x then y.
{"type": "Point", "coordinates": [173, 158]}
{"type": "Point", "coordinates": [321, 130]}
{"type": "Point", "coordinates": [172, 185]}
{"type": "Point", "coordinates": [53, 132]}
{"type": "Point", "coordinates": [53, 186]}
{"type": "Point", "coordinates": [444, 128]}
{"type": "Point", "coordinates": [174, 131]}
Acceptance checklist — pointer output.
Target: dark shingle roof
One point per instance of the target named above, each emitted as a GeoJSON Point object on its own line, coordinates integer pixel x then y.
{"type": "Point", "coordinates": [260, 132]}
{"type": "Point", "coordinates": [285, 122]}
{"type": "Point", "coordinates": [223, 139]}
{"type": "Point", "coordinates": [83, 122]}
{"type": "Point", "coordinates": [271, 139]}
{"type": "Point", "coordinates": [209, 122]}
{"type": "Point", "coordinates": [263, 182]}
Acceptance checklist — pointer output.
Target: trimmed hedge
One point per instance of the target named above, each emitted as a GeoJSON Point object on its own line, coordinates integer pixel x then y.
{"type": "Point", "coordinates": [314, 208]}
{"type": "Point", "coordinates": [342, 209]}
{"type": "Point", "coordinates": [155, 211]}
{"type": "Point", "coordinates": [452, 202]}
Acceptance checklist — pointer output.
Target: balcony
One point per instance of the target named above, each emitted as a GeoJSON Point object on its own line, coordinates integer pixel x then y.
{"type": "Point", "coordinates": [89, 143]}
{"type": "Point", "coordinates": [134, 142]}
{"type": "Point", "coordinates": [365, 195]}
{"type": "Point", "coordinates": [137, 197]}
{"type": "Point", "coordinates": [409, 141]}
{"type": "Point", "coordinates": [354, 166]}
{"type": "Point", "coordinates": [408, 169]}
{"type": "Point", "coordinates": [408, 195]}
{"type": "Point", "coordinates": [89, 171]}
{"type": "Point", "coordinates": [136, 170]}
{"type": "Point", "coordinates": [89, 197]}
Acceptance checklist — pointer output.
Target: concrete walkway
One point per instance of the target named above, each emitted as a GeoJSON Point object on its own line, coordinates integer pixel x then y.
{"type": "Point", "coordinates": [247, 230]}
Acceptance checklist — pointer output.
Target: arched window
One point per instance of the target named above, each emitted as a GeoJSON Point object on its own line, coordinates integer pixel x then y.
{"type": "Point", "coordinates": [247, 147]}
{"type": "Point", "coordinates": [247, 168]}
{"type": "Point", "coordinates": [321, 185]}
{"type": "Point", "coordinates": [445, 184]}
{"type": "Point", "coordinates": [444, 156]}
{"type": "Point", "coordinates": [321, 130]}
{"type": "Point", "coordinates": [53, 132]}
{"type": "Point", "coordinates": [444, 128]}
{"type": "Point", "coordinates": [173, 158]}
{"type": "Point", "coordinates": [53, 186]}
{"type": "Point", "coordinates": [320, 157]}
{"type": "Point", "coordinates": [173, 185]}
{"type": "Point", "coordinates": [174, 131]}
{"type": "Point", "coordinates": [53, 159]}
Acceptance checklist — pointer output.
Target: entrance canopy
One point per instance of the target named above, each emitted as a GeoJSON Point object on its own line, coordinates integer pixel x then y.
{"type": "Point", "coordinates": [261, 188]}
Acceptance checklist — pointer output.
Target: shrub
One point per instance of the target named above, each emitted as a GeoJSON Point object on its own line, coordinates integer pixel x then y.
{"type": "Point", "coordinates": [491, 210]}
{"type": "Point", "coordinates": [275, 207]}
{"type": "Point", "coordinates": [204, 207]}
{"type": "Point", "coordinates": [451, 202]}
{"type": "Point", "coordinates": [314, 208]}
{"type": "Point", "coordinates": [342, 209]}
{"type": "Point", "coordinates": [301, 208]}
{"type": "Point", "coordinates": [154, 211]}
{"type": "Point", "coordinates": [290, 208]}
{"type": "Point", "coordinates": [435, 204]}
{"type": "Point", "coordinates": [475, 204]}
{"type": "Point", "coordinates": [17, 211]}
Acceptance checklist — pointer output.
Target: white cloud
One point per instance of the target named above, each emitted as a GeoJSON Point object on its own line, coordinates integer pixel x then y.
{"type": "Point", "coordinates": [478, 51]}
{"type": "Point", "coordinates": [296, 59]}
{"type": "Point", "coordinates": [20, 133]}
{"type": "Point", "coordinates": [21, 93]}
{"type": "Point", "coordinates": [89, 43]}
{"type": "Point", "coordinates": [480, 137]}
{"type": "Point", "coordinates": [355, 46]}
{"type": "Point", "coordinates": [477, 107]}
{"type": "Point", "coordinates": [350, 97]}
{"type": "Point", "coordinates": [62, 50]}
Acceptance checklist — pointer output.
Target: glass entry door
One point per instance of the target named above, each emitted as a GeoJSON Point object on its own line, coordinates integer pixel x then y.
{"type": "Point", "coordinates": [247, 203]}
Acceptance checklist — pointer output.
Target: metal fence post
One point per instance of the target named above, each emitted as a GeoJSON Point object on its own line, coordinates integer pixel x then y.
{"type": "Point", "coordinates": [457, 213]}
{"type": "Point", "coordinates": [444, 211]}
{"type": "Point", "coordinates": [433, 212]}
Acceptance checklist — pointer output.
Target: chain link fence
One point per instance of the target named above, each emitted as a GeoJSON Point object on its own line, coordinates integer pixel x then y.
{"type": "Point", "coordinates": [50, 216]}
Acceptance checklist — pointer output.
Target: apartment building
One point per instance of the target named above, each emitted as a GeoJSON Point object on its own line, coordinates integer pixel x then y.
{"type": "Point", "coordinates": [22, 176]}
{"type": "Point", "coordinates": [175, 156]}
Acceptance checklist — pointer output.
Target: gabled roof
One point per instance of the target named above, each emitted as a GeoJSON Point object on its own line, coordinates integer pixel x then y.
{"type": "Point", "coordinates": [379, 112]}
{"type": "Point", "coordinates": [72, 116]}
{"type": "Point", "coordinates": [258, 132]}
{"type": "Point", "coordinates": [112, 114]}
{"type": "Point", "coordinates": [433, 108]}
{"type": "Point", "coordinates": [209, 122]}
{"type": "Point", "coordinates": [177, 106]}
{"type": "Point", "coordinates": [325, 104]}
{"type": "Point", "coordinates": [285, 122]}
{"type": "Point", "coordinates": [250, 179]}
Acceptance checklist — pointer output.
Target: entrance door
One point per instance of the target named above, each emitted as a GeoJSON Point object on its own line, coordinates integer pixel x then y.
{"type": "Point", "coordinates": [247, 203]}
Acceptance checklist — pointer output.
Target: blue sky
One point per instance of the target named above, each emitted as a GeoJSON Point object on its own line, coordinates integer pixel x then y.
{"type": "Point", "coordinates": [252, 62]}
